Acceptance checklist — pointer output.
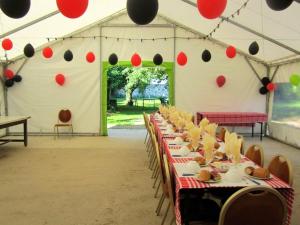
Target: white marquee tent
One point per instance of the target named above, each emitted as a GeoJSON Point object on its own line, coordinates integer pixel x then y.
{"type": "Point", "coordinates": [105, 28]}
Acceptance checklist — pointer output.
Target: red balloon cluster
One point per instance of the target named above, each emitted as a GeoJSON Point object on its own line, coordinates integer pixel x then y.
{"type": "Point", "coordinates": [211, 9]}
{"type": "Point", "coordinates": [221, 80]}
{"type": "Point", "coordinates": [7, 44]}
{"type": "Point", "coordinates": [9, 74]}
{"type": "Point", "coordinates": [60, 79]}
{"type": "Point", "coordinates": [72, 8]}
{"type": "Point", "coordinates": [181, 59]}
{"type": "Point", "coordinates": [47, 52]}
{"type": "Point", "coordinates": [136, 60]}
{"type": "Point", "coordinates": [90, 57]}
{"type": "Point", "coordinates": [271, 87]}
{"type": "Point", "coordinates": [230, 52]}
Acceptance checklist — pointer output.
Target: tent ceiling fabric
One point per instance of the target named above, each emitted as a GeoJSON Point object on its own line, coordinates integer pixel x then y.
{"type": "Point", "coordinates": [282, 26]}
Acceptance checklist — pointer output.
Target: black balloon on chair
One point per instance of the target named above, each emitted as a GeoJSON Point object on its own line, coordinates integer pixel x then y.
{"type": "Point", "coordinates": [17, 78]}
{"type": "Point", "coordinates": [263, 90]}
{"type": "Point", "coordinates": [279, 5]}
{"type": "Point", "coordinates": [265, 81]}
{"type": "Point", "coordinates": [157, 59]}
{"type": "Point", "coordinates": [113, 59]}
{"type": "Point", "coordinates": [253, 48]}
{"type": "Point", "coordinates": [29, 50]}
{"type": "Point", "coordinates": [9, 83]}
{"type": "Point", "coordinates": [68, 56]}
{"type": "Point", "coordinates": [142, 12]}
{"type": "Point", "coordinates": [206, 56]}
{"type": "Point", "coordinates": [15, 8]}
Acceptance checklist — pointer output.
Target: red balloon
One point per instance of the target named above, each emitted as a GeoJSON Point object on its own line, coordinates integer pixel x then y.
{"type": "Point", "coordinates": [7, 44]}
{"type": "Point", "coordinates": [221, 80]}
{"type": "Point", "coordinates": [90, 57]}
{"type": "Point", "coordinates": [72, 8]}
{"type": "Point", "coordinates": [181, 59]}
{"type": "Point", "coordinates": [136, 60]}
{"type": "Point", "coordinates": [230, 52]}
{"type": "Point", "coordinates": [60, 79]}
{"type": "Point", "coordinates": [211, 9]}
{"type": "Point", "coordinates": [271, 87]}
{"type": "Point", "coordinates": [47, 52]}
{"type": "Point", "coordinates": [9, 74]}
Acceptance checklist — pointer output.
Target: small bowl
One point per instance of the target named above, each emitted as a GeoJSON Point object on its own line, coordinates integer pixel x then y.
{"type": "Point", "coordinates": [224, 168]}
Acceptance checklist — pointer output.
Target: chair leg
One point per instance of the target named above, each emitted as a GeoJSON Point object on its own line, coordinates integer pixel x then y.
{"type": "Point", "coordinates": [151, 160]}
{"type": "Point", "coordinates": [166, 213]}
{"type": "Point", "coordinates": [160, 203]}
{"type": "Point", "coordinates": [155, 169]}
{"type": "Point", "coordinates": [146, 137]}
{"type": "Point", "coordinates": [156, 179]}
{"type": "Point", "coordinates": [157, 188]}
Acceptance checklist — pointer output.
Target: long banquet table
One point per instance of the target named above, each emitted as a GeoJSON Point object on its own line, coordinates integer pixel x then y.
{"type": "Point", "coordinates": [186, 184]}
{"type": "Point", "coordinates": [8, 121]}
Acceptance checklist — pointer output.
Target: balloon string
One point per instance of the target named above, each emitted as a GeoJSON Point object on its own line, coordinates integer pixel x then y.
{"type": "Point", "coordinates": [223, 19]}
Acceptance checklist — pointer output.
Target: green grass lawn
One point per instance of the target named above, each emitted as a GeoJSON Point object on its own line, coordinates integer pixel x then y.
{"type": "Point", "coordinates": [130, 115]}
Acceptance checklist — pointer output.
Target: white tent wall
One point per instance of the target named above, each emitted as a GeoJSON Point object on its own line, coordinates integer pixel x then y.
{"type": "Point", "coordinates": [39, 96]}
{"type": "Point", "coordinates": [284, 132]}
{"type": "Point", "coordinates": [196, 88]}
{"type": "Point", "coordinates": [2, 101]}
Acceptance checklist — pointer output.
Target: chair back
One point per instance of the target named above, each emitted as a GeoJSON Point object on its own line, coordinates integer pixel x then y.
{"type": "Point", "coordinates": [146, 120]}
{"type": "Point", "coordinates": [256, 154]}
{"type": "Point", "coordinates": [256, 205]}
{"type": "Point", "coordinates": [169, 182]}
{"type": "Point", "coordinates": [281, 167]}
{"type": "Point", "coordinates": [64, 115]}
{"type": "Point", "coordinates": [222, 132]}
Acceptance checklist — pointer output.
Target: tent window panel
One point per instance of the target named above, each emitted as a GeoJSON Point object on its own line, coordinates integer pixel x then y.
{"type": "Point", "coordinates": [286, 104]}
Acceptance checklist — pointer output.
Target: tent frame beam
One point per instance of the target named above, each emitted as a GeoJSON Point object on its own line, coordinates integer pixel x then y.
{"type": "Point", "coordinates": [29, 24]}
{"type": "Point", "coordinates": [201, 35]}
{"type": "Point", "coordinates": [252, 67]}
{"type": "Point", "coordinates": [251, 31]}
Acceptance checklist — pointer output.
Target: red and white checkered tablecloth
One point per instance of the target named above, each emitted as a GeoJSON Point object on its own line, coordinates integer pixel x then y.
{"type": "Point", "coordinates": [193, 183]}
{"type": "Point", "coordinates": [233, 118]}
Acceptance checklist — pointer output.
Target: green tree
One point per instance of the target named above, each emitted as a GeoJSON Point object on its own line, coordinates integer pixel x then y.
{"type": "Point", "coordinates": [115, 79]}
{"type": "Point", "coordinates": [140, 78]}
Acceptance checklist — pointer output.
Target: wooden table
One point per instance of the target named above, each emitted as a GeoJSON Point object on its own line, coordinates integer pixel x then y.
{"type": "Point", "coordinates": [184, 185]}
{"type": "Point", "coordinates": [9, 121]}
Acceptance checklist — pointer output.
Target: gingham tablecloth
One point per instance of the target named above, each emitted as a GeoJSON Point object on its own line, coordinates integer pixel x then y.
{"type": "Point", "coordinates": [176, 163]}
{"type": "Point", "coordinates": [233, 118]}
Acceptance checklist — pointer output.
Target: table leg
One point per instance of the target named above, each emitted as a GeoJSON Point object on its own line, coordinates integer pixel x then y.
{"type": "Point", "coordinates": [25, 133]}
{"type": "Point", "coordinates": [261, 131]}
{"type": "Point", "coordinates": [252, 129]}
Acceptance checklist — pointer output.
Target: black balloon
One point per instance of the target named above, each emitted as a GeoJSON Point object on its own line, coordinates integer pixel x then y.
{"type": "Point", "coordinates": [158, 59]}
{"type": "Point", "coordinates": [206, 56]}
{"type": "Point", "coordinates": [142, 12]}
{"type": "Point", "coordinates": [17, 78]}
{"type": "Point", "coordinates": [265, 81]}
{"type": "Point", "coordinates": [253, 48]}
{"type": "Point", "coordinates": [15, 8]}
{"type": "Point", "coordinates": [279, 5]}
{"type": "Point", "coordinates": [113, 59]}
{"type": "Point", "coordinates": [263, 90]}
{"type": "Point", "coordinates": [28, 50]}
{"type": "Point", "coordinates": [68, 56]}
{"type": "Point", "coordinates": [9, 83]}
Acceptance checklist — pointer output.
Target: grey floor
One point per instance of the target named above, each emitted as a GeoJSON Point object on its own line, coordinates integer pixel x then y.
{"type": "Point", "coordinates": [91, 180]}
